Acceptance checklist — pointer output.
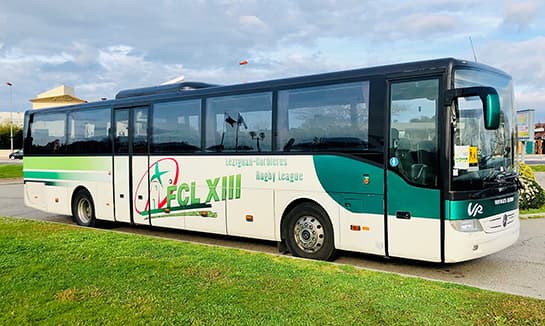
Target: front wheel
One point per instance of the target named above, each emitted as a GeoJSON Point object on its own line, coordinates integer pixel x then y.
{"type": "Point", "coordinates": [309, 233]}
{"type": "Point", "coordinates": [83, 208]}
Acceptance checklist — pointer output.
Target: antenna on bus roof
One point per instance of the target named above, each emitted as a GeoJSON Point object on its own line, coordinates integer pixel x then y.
{"type": "Point", "coordinates": [472, 48]}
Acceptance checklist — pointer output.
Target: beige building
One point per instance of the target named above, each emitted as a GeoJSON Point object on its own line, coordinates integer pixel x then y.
{"type": "Point", "coordinates": [59, 96]}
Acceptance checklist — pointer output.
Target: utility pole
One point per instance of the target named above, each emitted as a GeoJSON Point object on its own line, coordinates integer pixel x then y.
{"type": "Point", "coordinates": [10, 115]}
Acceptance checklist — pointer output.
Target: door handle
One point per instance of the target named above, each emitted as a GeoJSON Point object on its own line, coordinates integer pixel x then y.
{"type": "Point", "coordinates": [403, 215]}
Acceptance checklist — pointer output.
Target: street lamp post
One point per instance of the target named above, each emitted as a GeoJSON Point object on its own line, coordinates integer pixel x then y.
{"type": "Point", "coordinates": [10, 115]}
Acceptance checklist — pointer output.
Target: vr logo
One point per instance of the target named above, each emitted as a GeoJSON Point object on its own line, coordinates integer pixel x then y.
{"type": "Point", "coordinates": [474, 209]}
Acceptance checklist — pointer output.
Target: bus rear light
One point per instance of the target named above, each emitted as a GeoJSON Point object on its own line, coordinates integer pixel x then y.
{"type": "Point", "coordinates": [365, 228]}
{"type": "Point", "coordinates": [355, 227]}
{"type": "Point", "coordinates": [249, 218]}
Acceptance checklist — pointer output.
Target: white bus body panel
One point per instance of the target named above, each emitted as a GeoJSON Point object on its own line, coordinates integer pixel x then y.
{"type": "Point", "coordinates": [253, 216]}
{"type": "Point", "coordinates": [368, 239]}
{"type": "Point", "coordinates": [139, 189]}
{"type": "Point", "coordinates": [414, 238]}
{"type": "Point", "coordinates": [122, 194]}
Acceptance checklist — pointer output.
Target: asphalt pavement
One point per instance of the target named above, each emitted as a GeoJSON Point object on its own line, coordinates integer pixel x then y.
{"type": "Point", "coordinates": [519, 269]}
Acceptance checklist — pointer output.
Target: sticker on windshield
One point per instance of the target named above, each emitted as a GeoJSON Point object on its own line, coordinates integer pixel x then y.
{"type": "Point", "coordinates": [473, 159]}
{"type": "Point", "coordinates": [461, 157]}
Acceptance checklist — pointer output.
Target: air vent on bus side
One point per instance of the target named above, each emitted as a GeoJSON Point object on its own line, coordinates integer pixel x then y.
{"type": "Point", "coordinates": [163, 89]}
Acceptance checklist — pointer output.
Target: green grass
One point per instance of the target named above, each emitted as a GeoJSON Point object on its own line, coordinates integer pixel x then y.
{"type": "Point", "coordinates": [540, 210]}
{"type": "Point", "coordinates": [533, 210]}
{"type": "Point", "coordinates": [11, 171]}
{"type": "Point", "coordinates": [61, 274]}
{"type": "Point", "coordinates": [538, 167]}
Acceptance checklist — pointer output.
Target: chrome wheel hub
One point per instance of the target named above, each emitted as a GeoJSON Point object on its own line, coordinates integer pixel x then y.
{"type": "Point", "coordinates": [309, 234]}
{"type": "Point", "coordinates": [85, 211]}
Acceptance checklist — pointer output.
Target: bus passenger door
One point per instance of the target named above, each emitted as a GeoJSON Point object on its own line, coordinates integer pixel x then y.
{"type": "Point", "coordinates": [131, 189]}
{"type": "Point", "coordinates": [122, 198]}
{"type": "Point", "coordinates": [413, 197]}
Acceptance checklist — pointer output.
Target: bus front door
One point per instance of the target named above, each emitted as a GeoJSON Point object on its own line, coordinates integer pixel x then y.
{"type": "Point", "coordinates": [413, 198]}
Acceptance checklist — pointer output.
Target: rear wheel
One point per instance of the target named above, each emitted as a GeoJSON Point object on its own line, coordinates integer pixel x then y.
{"type": "Point", "coordinates": [309, 233]}
{"type": "Point", "coordinates": [83, 208]}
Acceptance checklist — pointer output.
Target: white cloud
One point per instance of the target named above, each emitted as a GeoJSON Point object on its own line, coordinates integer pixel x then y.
{"type": "Point", "coordinates": [428, 23]}
{"type": "Point", "coordinates": [252, 22]}
{"type": "Point", "coordinates": [521, 14]}
{"type": "Point", "coordinates": [109, 48]}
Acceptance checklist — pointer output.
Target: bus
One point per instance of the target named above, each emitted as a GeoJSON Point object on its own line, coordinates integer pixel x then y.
{"type": "Point", "coordinates": [412, 160]}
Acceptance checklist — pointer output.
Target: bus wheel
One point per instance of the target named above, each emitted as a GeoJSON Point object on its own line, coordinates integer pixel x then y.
{"type": "Point", "coordinates": [83, 208]}
{"type": "Point", "coordinates": [309, 233]}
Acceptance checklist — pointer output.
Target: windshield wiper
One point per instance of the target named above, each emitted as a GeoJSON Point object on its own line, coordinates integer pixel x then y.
{"type": "Point", "coordinates": [496, 181]}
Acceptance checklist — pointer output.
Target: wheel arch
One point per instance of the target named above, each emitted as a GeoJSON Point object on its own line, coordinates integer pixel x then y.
{"type": "Point", "coordinates": [78, 189]}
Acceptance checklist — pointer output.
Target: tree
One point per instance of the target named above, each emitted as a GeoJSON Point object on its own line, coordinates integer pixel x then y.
{"type": "Point", "coordinates": [5, 136]}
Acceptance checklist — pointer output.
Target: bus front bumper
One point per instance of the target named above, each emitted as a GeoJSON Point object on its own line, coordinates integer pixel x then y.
{"type": "Point", "coordinates": [463, 246]}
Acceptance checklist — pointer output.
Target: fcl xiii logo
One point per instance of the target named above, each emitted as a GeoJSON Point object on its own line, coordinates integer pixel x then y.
{"type": "Point", "coordinates": [163, 173]}
{"type": "Point", "coordinates": [168, 193]}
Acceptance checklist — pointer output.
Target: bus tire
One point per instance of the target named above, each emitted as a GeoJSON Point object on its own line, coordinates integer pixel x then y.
{"type": "Point", "coordinates": [83, 208]}
{"type": "Point", "coordinates": [309, 233]}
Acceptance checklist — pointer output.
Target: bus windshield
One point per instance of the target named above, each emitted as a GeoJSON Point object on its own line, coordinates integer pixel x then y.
{"type": "Point", "coordinates": [482, 157]}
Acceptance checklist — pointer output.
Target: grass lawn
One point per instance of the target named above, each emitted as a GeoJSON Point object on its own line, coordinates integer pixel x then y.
{"type": "Point", "coordinates": [11, 171]}
{"type": "Point", "coordinates": [62, 274]}
{"type": "Point", "coordinates": [533, 211]}
{"type": "Point", "coordinates": [538, 167]}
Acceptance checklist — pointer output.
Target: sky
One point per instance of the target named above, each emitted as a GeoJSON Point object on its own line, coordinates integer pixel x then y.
{"type": "Point", "coordinates": [101, 47]}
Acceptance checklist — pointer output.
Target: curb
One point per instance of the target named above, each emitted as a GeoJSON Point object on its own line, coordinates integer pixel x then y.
{"type": "Point", "coordinates": [11, 181]}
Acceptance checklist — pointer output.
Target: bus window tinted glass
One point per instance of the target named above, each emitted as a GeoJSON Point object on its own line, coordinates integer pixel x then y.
{"type": "Point", "coordinates": [241, 123]}
{"type": "Point", "coordinates": [47, 133]}
{"type": "Point", "coordinates": [413, 130]}
{"type": "Point", "coordinates": [176, 127]}
{"type": "Point", "coordinates": [121, 118]}
{"type": "Point", "coordinates": [140, 130]}
{"type": "Point", "coordinates": [88, 132]}
{"type": "Point", "coordinates": [324, 118]}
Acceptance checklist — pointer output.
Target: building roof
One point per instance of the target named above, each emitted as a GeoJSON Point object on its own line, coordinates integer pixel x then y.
{"type": "Point", "coordinates": [58, 96]}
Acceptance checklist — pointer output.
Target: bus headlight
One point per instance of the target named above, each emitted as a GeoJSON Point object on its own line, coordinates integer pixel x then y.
{"type": "Point", "coordinates": [472, 225]}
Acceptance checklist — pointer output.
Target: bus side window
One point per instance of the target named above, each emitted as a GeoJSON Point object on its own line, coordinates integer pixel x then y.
{"type": "Point", "coordinates": [240, 123]}
{"type": "Point", "coordinates": [48, 133]}
{"type": "Point", "coordinates": [176, 127]}
{"type": "Point", "coordinates": [330, 118]}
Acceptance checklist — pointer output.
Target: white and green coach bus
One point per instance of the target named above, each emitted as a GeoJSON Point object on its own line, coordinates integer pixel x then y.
{"type": "Point", "coordinates": [410, 160]}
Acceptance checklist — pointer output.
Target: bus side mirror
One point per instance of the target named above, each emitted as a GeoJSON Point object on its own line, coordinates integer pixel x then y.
{"type": "Point", "coordinates": [492, 111]}
{"type": "Point", "coordinates": [489, 97]}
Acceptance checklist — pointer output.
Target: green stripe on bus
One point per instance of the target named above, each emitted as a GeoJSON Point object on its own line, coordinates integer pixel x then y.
{"type": "Point", "coordinates": [469, 209]}
{"type": "Point", "coordinates": [419, 201]}
{"type": "Point", "coordinates": [57, 175]}
{"type": "Point", "coordinates": [344, 181]}
{"type": "Point", "coordinates": [69, 163]}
